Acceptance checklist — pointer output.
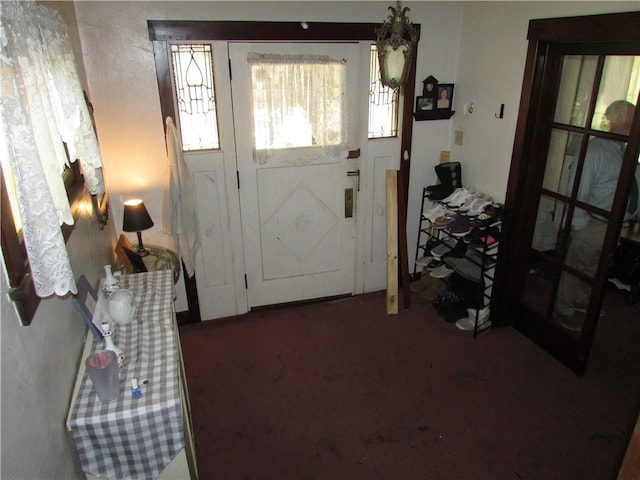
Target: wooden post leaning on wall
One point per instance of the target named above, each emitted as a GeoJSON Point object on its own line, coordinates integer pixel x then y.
{"type": "Point", "coordinates": [403, 259]}
{"type": "Point", "coordinates": [391, 177]}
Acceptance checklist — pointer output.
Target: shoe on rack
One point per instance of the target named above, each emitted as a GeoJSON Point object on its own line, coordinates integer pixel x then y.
{"type": "Point", "coordinates": [477, 207]}
{"type": "Point", "coordinates": [492, 214]}
{"type": "Point", "coordinates": [458, 251]}
{"type": "Point", "coordinates": [474, 204]}
{"type": "Point", "coordinates": [421, 284]}
{"type": "Point", "coordinates": [432, 287]}
{"type": "Point", "coordinates": [423, 261]}
{"type": "Point", "coordinates": [481, 237]}
{"type": "Point", "coordinates": [449, 174]}
{"type": "Point", "coordinates": [469, 323]}
{"type": "Point", "coordinates": [463, 199]}
{"type": "Point", "coordinates": [440, 193]}
{"type": "Point", "coordinates": [482, 314]}
{"type": "Point", "coordinates": [441, 272]}
{"type": "Point", "coordinates": [460, 226]}
{"type": "Point", "coordinates": [447, 245]}
{"type": "Point", "coordinates": [444, 220]}
{"type": "Point", "coordinates": [455, 195]}
{"type": "Point", "coordinates": [434, 211]}
{"type": "Point", "coordinates": [433, 264]}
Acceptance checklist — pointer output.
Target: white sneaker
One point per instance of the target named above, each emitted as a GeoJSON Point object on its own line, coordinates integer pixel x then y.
{"type": "Point", "coordinates": [469, 323]}
{"type": "Point", "coordinates": [469, 197]}
{"type": "Point", "coordinates": [435, 211]}
{"type": "Point", "coordinates": [478, 208]}
{"type": "Point", "coordinates": [455, 195]}
{"type": "Point", "coordinates": [483, 314]}
{"type": "Point", "coordinates": [477, 203]}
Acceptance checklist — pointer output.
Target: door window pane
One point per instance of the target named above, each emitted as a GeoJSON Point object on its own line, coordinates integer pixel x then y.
{"type": "Point", "coordinates": [576, 84]}
{"type": "Point", "coordinates": [297, 101]}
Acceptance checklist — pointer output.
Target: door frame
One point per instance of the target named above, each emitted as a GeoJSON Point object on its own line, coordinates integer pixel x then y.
{"type": "Point", "coordinates": [606, 31]}
{"type": "Point", "coordinates": [163, 31]}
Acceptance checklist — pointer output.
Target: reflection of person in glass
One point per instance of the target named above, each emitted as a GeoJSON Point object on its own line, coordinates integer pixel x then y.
{"type": "Point", "coordinates": [443, 99]}
{"type": "Point", "coordinates": [598, 184]}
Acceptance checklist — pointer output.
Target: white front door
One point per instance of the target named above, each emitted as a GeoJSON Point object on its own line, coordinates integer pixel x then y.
{"type": "Point", "coordinates": [297, 199]}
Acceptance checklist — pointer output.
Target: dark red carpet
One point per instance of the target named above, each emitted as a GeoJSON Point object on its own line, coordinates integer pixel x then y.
{"type": "Point", "coordinates": [341, 390]}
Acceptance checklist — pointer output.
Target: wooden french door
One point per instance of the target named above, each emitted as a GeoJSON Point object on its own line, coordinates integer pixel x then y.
{"type": "Point", "coordinates": [562, 226]}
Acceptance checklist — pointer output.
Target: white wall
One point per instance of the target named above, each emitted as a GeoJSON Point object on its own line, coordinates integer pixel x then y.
{"type": "Point", "coordinates": [490, 70]}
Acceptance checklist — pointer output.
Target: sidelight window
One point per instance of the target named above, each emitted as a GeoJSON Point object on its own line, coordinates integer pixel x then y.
{"type": "Point", "coordinates": [192, 66]}
{"type": "Point", "coordinates": [383, 102]}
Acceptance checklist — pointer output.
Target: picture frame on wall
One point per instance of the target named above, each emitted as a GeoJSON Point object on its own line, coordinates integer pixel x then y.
{"type": "Point", "coordinates": [424, 104]}
{"type": "Point", "coordinates": [436, 101]}
{"type": "Point", "coordinates": [444, 99]}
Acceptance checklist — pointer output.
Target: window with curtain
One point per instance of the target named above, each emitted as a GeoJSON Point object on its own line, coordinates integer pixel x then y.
{"type": "Point", "coordinates": [45, 126]}
{"type": "Point", "coordinates": [297, 101]}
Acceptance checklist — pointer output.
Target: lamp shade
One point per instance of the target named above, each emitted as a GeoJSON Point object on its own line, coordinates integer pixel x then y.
{"type": "Point", "coordinates": [135, 218]}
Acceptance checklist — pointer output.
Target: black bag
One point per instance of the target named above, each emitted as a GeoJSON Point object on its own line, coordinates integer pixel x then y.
{"type": "Point", "coordinates": [452, 303]}
{"type": "Point", "coordinates": [450, 306]}
{"type": "Point", "coordinates": [626, 267]}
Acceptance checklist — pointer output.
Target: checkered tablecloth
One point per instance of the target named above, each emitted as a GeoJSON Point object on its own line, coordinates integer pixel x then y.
{"type": "Point", "coordinates": [130, 438]}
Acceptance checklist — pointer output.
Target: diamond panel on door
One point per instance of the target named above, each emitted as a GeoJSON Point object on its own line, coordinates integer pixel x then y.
{"type": "Point", "coordinates": [299, 232]}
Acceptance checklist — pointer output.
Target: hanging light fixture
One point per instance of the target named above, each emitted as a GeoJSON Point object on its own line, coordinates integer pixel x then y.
{"type": "Point", "coordinates": [396, 45]}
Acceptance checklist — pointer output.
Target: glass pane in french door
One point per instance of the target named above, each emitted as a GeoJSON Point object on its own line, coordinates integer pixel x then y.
{"type": "Point", "coordinates": [620, 83]}
{"type": "Point", "coordinates": [576, 86]}
{"type": "Point", "coordinates": [562, 160]}
{"type": "Point", "coordinates": [543, 265]}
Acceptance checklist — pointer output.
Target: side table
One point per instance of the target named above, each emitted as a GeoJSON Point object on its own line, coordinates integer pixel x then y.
{"type": "Point", "coordinates": [161, 258]}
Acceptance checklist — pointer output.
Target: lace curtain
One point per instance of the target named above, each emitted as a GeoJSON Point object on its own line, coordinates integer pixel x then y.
{"type": "Point", "coordinates": [42, 105]}
{"type": "Point", "coordinates": [297, 101]}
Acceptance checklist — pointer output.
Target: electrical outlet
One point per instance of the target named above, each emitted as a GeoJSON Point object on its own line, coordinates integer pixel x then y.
{"type": "Point", "coordinates": [459, 137]}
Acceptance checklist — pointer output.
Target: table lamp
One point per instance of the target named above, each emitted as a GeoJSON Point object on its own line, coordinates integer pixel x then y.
{"type": "Point", "coordinates": [135, 219]}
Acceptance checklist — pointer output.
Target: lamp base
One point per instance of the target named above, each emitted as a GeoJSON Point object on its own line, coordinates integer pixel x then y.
{"type": "Point", "coordinates": [143, 252]}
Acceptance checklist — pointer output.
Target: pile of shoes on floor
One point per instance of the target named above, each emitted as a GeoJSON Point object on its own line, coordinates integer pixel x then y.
{"type": "Point", "coordinates": [452, 276]}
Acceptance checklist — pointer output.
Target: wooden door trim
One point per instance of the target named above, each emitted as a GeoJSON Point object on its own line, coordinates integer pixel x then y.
{"type": "Point", "coordinates": [163, 31]}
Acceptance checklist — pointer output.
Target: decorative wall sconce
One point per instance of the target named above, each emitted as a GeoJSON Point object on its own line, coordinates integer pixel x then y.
{"type": "Point", "coordinates": [396, 44]}
{"type": "Point", "coordinates": [135, 219]}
